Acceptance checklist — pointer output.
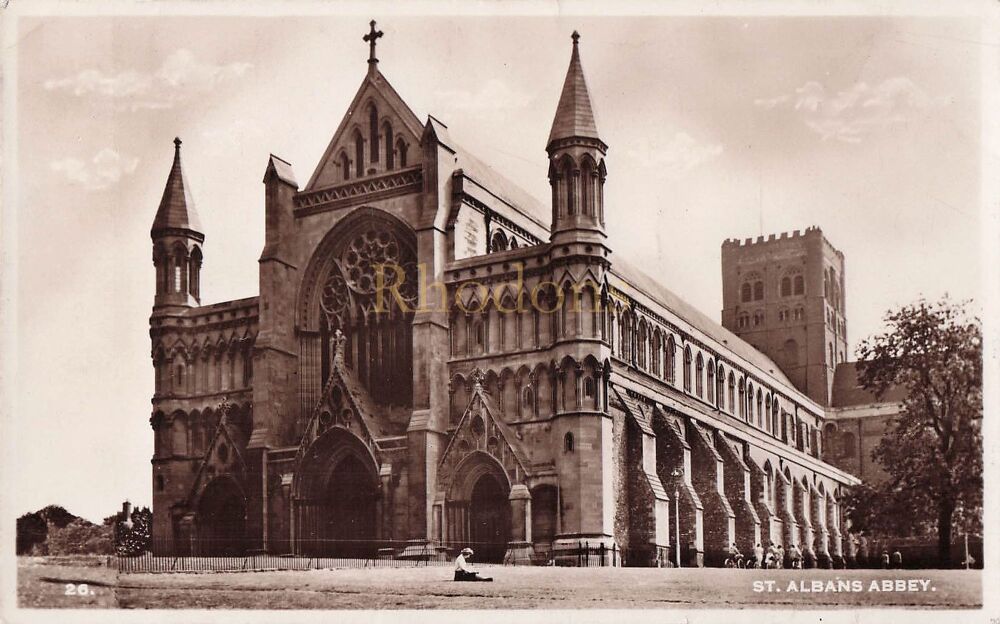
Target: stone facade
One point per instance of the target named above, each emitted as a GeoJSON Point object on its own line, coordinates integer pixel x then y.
{"type": "Point", "coordinates": [436, 359]}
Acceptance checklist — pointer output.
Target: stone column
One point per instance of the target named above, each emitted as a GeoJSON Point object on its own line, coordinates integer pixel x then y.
{"type": "Point", "coordinates": [833, 526]}
{"type": "Point", "coordinates": [737, 487]}
{"type": "Point", "coordinates": [802, 513]}
{"type": "Point", "coordinates": [786, 510]}
{"type": "Point", "coordinates": [519, 549]}
{"type": "Point", "coordinates": [822, 547]}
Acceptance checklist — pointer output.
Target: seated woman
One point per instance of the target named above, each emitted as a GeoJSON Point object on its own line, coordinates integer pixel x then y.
{"type": "Point", "coordinates": [462, 570]}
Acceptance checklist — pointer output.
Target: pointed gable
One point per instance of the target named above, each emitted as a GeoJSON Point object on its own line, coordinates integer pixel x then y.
{"type": "Point", "coordinates": [482, 430]}
{"type": "Point", "coordinates": [574, 114]}
{"type": "Point", "coordinates": [176, 211]}
{"type": "Point", "coordinates": [392, 113]}
{"type": "Point", "coordinates": [222, 457]}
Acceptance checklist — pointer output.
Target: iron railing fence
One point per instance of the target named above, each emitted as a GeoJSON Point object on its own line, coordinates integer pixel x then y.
{"type": "Point", "coordinates": [229, 555]}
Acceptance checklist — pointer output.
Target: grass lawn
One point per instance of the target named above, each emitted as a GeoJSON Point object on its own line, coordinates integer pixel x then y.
{"type": "Point", "coordinates": [42, 585]}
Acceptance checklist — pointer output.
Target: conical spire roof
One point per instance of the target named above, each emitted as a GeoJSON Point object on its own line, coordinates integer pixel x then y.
{"type": "Point", "coordinates": [575, 114]}
{"type": "Point", "coordinates": [176, 210]}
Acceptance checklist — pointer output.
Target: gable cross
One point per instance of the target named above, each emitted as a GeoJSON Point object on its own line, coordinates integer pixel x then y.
{"type": "Point", "coordinates": [371, 37]}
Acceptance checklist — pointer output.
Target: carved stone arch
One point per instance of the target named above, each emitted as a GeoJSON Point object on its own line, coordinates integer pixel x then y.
{"type": "Point", "coordinates": [507, 394]}
{"type": "Point", "coordinates": [491, 383]}
{"type": "Point", "coordinates": [458, 389]}
{"type": "Point", "coordinates": [470, 469]}
{"type": "Point", "coordinates": [179, 441]}
{"type": "Point", "coordinates": [314, 469]}
{"type": "Point", "coordinates": [567, 164]}
{"type": "Point", "coordinates": [336, 483]}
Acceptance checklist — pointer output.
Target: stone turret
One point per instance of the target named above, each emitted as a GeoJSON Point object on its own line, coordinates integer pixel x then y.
{"type": "Point", "coordinates": [177, 240]}
{"type": "Point", "coordinates": [576, 161]}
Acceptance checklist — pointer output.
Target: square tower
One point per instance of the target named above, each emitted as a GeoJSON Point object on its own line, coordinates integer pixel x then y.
{"type": "Point", "coordinates": [785, 296]}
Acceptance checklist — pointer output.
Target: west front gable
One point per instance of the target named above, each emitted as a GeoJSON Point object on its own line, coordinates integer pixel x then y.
{"type": "Point", "coordinates": [378, 134]}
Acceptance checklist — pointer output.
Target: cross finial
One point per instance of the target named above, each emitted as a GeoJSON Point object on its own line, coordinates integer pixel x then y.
{"type": "Point", "coordinates": [576, 37]}
{"type": "Point", "coordinates": [177, 143]}
{"type": "Point", "coordinates": [477, 376]}
{"type": "Point", "coordinates": [370, 38]}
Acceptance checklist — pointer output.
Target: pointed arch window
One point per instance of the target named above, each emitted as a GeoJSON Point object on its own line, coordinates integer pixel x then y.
{"type": "Point", "coordinates": [568, 443]}
{"type": "Point", "coordinates": [570, 179]}
{"type": "Point", "coordinates": [687, 369]}
{"type": "Point", "coordinates": [359, 154]}
{"type": "Point", "coordinates": [401, 152]}
{"type": "Point", "coordinates": [390, 160]}
{"type": "Point", "coordinates": [345, 166]}
{"type": "Point", "coordinates": [669, 365]}
{"type": "Point", "coordinates": [746, 292]}
{"type": "Point", "coordinates": [786, 287]}
{"type": "Point", "coordinates": [699, 377]}
{"type": "Point", "coordinates": [373, 132]}
{"type": "Point", "coordinates": [710, 385]}
{"type": "Point", "coordinates": [732, 393]}
{"type": "Point", "coordinates": [742, 402]}
{"type": "Point", "coordinates": [588, 184]}
{"type": "Point", "coordinates": [799, 285]}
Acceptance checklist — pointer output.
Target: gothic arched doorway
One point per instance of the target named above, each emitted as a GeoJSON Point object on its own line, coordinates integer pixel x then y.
{"type": "Point", "coordinates": [351, 509]}
{"type": "Point", "coordinates": [336, 497]}
{"type": "Point", "coordinates": [222, 519]}
{"type": "Point", "coordinates": [489, 519]}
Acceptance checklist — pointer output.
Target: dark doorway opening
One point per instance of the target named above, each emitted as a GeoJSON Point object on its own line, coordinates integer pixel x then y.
{"type": "Point", "coordinates": [351, 510]}
{"type": "Point", "coordinates": [222, 520]}
{"type": "Point", "coordinates": [489, 519]}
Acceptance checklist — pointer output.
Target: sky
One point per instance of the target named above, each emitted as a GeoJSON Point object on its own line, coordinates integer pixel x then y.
{"type": "Point", "coordinates": [718, 127]}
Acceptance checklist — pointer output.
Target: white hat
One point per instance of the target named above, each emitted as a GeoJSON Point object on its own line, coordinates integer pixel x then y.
{"type": "Point", "coordinates": [467, 551]}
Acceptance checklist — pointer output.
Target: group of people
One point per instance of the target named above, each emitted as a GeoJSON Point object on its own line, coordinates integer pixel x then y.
{"type": "Point", "coordinates": [771, 558]}
{"type": "Point", "coordinates": [896, 562]}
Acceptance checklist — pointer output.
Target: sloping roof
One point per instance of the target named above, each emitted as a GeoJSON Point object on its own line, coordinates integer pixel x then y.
{"type": "Point", "coordinates": [176, 211]}
{"type": "Point", "coordinates": [489, 178]}
{"type": "Point", "coordinates": [847, 391]}
{"type": "Point", "coordinates": [281, 168]}
{"type": "Point", "coordinates": [574, 114]}
{"type": "Point", "coordinates": [699, 320]}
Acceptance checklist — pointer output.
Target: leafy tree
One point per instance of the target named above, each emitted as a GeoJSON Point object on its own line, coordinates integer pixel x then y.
{"type": "Point", "coordinates": [33, 528]}
{"type": "Point", "coordinates": [133, 535]}
{"type": "Point", "coordinates": [933, 452]}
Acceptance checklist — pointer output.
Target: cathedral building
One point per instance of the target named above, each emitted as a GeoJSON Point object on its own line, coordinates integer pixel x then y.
{"type": "Point", "coordinates": [436, 359]}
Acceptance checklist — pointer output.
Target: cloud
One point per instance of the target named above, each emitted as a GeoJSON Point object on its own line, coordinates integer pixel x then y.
{"type": "Point", "coordinates": [180, 77]}
{"type": "Point", "coordinates": [676, 156]}
{"type": "Point", "coordinates": [104, 169]}
{"type": "Point", "coordinates": [494, 95]}
{"type": "Point", "coordinates": [859, 111]}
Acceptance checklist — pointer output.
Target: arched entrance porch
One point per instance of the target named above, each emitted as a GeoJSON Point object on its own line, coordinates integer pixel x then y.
{"type": "Point", "coordinates": [337, 502]}
{"type": "Point", "coordinates": [221, 519]}
{"type": "Point", "coordinates": [478, 510]}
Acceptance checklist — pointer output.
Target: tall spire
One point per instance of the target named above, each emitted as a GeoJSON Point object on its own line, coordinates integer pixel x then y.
{"type": "Point", "coordinates": [176, 211]}
{"type": "Point", "coordinates": [574, 114]}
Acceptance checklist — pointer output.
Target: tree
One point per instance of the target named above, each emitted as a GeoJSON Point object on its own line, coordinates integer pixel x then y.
{"type": "Point", "coordinates": [133, 535]}
{"type": "Point", "coordinates": [933, 452]}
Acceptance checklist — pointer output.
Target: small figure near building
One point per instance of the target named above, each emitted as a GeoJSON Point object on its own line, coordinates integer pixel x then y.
{"type": "Point", "coordinates": [795, 555]}
{"type": "Point", "coordinates": [462, 570]}
{"type": "Point", "coordinates": [897, 559]}
{"type": "Point", "coordinates": [885, 559]}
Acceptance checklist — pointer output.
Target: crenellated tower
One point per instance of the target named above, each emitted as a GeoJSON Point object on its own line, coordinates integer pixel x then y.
{"type": "Point", "coordinates": [177, 240]}
{"type": "Point", "coordinates": [576, 162]}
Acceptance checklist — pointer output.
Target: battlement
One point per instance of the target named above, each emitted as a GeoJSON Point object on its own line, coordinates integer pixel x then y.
{"type": "Point", "coordinates": [812, 230]}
